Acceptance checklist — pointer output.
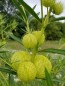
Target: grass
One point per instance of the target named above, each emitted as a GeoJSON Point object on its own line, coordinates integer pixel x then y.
{"type": "Point", "coordinates": [47, 44]}
{"type": "Point", "coordinates": [13, 45]}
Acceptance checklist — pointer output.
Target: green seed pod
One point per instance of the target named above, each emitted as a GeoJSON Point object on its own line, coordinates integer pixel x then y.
{"type": "Point", "coordinates": [29, 41]}
{"type": "Point", "coordinates": [41, 62]}
{"type": "Point", "coordinates": [26, 71]}
{"type": "Point", "coordinates": [40, 37]}
{"type": "Point", "coordinates": [19, 57]}
{"type": "Point", "coordinates": [57, 8]}
{"type": "Point", "coordinates": [48, 3]}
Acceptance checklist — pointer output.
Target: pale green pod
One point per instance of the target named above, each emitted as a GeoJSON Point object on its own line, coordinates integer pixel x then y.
{"type": "Point", "coordinates": [26, 71]}
{"type": "Point", "coordinates": [57, 8]}
{"type": "Point", "coordinates": [29, 41]}
{"type": "Point", "coordinates": [40, 37]}
{"type": "Point", "coordinates": [19, 57]}
{"type": "Point", "coordinates": [48, 3]}
{"type": "Point", "coordinates": [41, 62]}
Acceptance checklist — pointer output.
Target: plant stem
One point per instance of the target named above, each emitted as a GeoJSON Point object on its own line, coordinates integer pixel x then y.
{"type": "Point", "coordinates": [2, 35]}
{"type": "Point", "coordinates": [47, 10]}
{"type": "Point", "coordinates": [41, 10]}
{"type": "Point", "coordinates": [27, 28]}
{"type": "Point", "coordinates": [34, 51]}
{"type": "Point", "coordinates": [9, 79]}
{"type": "Point", "coordinates": [46, 21]}
{"type": "Point", "coordinates": [24, 83]}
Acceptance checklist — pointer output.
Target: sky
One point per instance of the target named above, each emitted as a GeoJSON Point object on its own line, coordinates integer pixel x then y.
{"type": "Point", "coordinates": [37, 9]}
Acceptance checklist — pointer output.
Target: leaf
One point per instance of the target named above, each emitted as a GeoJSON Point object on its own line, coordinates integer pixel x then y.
{"type": "Point", "coordinates": [28, 8]}
{"type": "Point", "coordinates": [34, 7]}
{"type": "Point", "coordinates": [48, 78]}
{"type": "Point", "coordinates": [7, 70]}
{"type": "Point", "coordinates": [51, 50]}
{"type": "Point", "coordinates": [1, 51]}
{"type": "Point", "coordinates": [14, 37]}
{"type": "Point", "coordinates": [3, 80]}
{"type": "Point", "coordinates": [11, 80]}
{"type": "Point", "coordinates": [59, 81]}
{"type": "Point", "coordinates": [59, 18]}
{"type": "Point", "coordinates": [19, 8]}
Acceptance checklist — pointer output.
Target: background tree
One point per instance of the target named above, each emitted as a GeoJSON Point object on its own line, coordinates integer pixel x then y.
{"type": "Point", "coordinates": [53, 31]}
{"type": "Point", "coordinates": [7, 7]}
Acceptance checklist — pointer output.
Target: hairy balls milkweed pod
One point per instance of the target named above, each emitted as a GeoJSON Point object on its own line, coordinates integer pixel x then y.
{"type": "Point", "coordinates": [57, 8]}
{"type": "Point", "coordinates": [40, 37]}
{"type": "Point", "coordinates": [26, 71]}
{"type": "Point", "coordinates": [19, 57]}
{"type": "Point", "coordinates": [41, 62]}
{"type": "Point", "coordinates": [48, 3]}
{"type": "Point", "coordinates": [29, 41]}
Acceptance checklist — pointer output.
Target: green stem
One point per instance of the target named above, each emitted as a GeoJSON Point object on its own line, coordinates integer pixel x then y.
{"type": "Point", "coordinates": [24, 83]}
{"type": "Point", "coordinates": [26, 21]}
{"type": "Point", "coordinates": [47, 10]}
{"type": "Point", "coordinates": [41, 10]}
{"type": "Point", "coordinates": [27, 28]}
{"type": "Point", "coordinates": [2, 35]}
{"type": "Point", "coordinates": [46, 21]}
{"type": "Point", "coordinates": [34, 51]}
{"type": "Point", "coordinates": [33, 55]}
{"type": "Point", "coordinates": [9, 79]}
{"type": "Point", "coordinates": [48, 13]}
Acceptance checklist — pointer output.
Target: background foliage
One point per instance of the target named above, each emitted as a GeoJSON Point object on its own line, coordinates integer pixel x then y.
{"type": "Point", "coordinates": [53, 31]}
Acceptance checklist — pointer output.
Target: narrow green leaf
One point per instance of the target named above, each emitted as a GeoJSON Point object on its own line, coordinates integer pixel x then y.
{"type": "Point", "coordinates": [11, 80]}
{"type": "Point", "coordinates": [1, 82]}
{"type": "Point", "coordinates": [19, 8]}
{"type": "Point", "coordinates": [34, 7]}
{"type": "Point", "coordinates": [59, 81]}
{"type": "Point", "coordinates": [3, 78]}
{"type": "Point", "coordinates": [7, 70]}
{"type": "Point", "coordinates": [14, 37]}
{"type": "Point", "coordinates": [51, 50]}
{"type": "Point", "coordinates": [48, 78]}
{"type": "Point", "coordinates": [1, 51]}
{"type": "Point", "coordinates": [59, 18]}
{"type": "Point", "coordinates": [28, 8]}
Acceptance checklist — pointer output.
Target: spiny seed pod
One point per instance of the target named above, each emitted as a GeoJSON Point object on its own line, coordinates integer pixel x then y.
{"type": "Point", "coordinates": [26, 71]}
{"type": "Point", "coordinates": [19, 57]}
{"type": "Point", "coordinates": [48, 3]}
{"type": "Point", "coordinates": [41, 62]}
{"type": "Point", "coordinates": [40, 37]}
{"type": "Point", "coordinates": [57, 8]}
{"type": "Point", "coordinates": [29, 41]}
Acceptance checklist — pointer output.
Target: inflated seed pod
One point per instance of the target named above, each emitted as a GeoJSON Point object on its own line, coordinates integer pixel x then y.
{"type": "Point", "coordinates": [26, 71]}
{"type": "Point", "coordinates": [19, 57]}
{"type": "Point", "coordinates": [40, 37]}
{"type": "Point", "coordinates": [48, 3]}
{"type": "Point", "coordinates": [41, 62]}
{"type": "Point", "coordinates": [29, 41]}
{"type": "Point", "coordinates": [57, 8]}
